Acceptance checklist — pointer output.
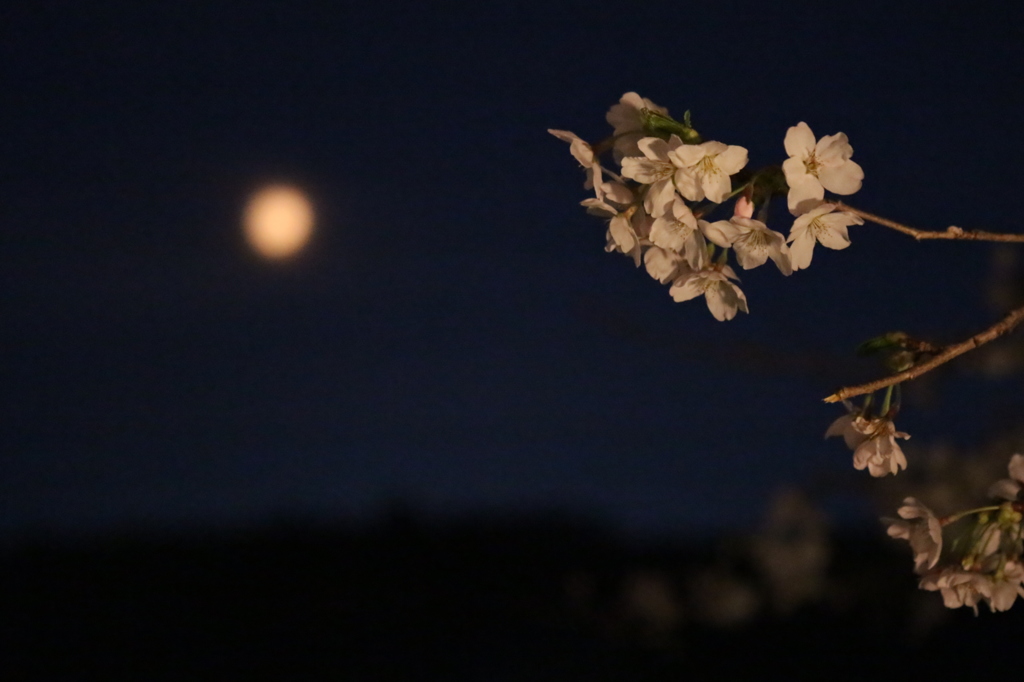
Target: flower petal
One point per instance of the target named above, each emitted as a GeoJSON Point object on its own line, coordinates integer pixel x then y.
{"type": "Point", "coordinates": [804, 193]}
{"type": "Point", "coordinates": [732, 160]}
{"type": "Point", "coordinates": [799, 140]}
{"type": "Point", "coordinates": [801, 248]}
{"type": "Point", "coordinates": [722, 232]}
{"type": "Point", "coordinates": [842, 179]}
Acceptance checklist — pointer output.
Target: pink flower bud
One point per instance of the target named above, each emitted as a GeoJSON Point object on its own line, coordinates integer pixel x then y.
{"type": "Point", "coordinates": [744, 207]}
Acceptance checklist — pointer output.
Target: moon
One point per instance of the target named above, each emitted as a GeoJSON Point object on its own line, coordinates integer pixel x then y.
{"type": "Point", "coordinates": [278, 221]}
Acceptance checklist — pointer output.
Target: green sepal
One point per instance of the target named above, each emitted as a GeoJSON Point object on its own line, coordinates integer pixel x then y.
{"type": "Point", "coordinates": [884, 342]}
{"type": "Point", "coordinates": [660, 125]}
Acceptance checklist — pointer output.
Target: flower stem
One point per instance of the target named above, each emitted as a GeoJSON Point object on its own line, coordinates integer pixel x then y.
{"type": "Point", "coordinates": [953, 518]}
{"type": "Point", "coordinates": [885, 402]}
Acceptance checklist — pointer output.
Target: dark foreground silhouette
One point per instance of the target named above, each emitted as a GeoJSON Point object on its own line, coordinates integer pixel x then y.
{"type": "Point", "coordinates": [534, 599]}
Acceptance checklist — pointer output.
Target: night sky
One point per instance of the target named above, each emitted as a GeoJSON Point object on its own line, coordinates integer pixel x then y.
{"type": "Point", "coordinates": [454, 339]}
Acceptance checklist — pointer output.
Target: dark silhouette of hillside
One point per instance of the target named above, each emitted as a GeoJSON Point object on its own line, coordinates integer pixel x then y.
{"type": "Point", "coordinates": [528, 599]}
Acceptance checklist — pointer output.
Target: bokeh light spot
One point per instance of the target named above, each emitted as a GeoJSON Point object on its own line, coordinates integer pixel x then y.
{"type": "Point", "coordinates": [278, 221]}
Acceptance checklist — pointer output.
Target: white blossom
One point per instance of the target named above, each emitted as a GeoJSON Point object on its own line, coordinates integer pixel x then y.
{"type": "Point", "coordinates": [873, 442]}
{"type": "Point", "coordinates": [959, 587]}
{"type": "Point", "coordinates": [813, 167]}
{"type": "Point", "coordinates": [723, 297]}
{"type": "Point", "coordinates": [677, 230]}
{"type": "Point", "coordinates": [922, 530]}
{"type": "Point", "coordinates": [664, 265]}
{"type": "Point", "coordinates": [622, 235]}
{"type": "Point", "coordinates": [819, 224]}
{"type": "Point", "coordinates": [627, 119]}
{"type": "Point", "coordinates": [1006, 587]}
{"type": "Point", "coordinates": [657, 170]}
{"type": "Point", "coordinates": [709, 166]}
{"type": "Point", "coordinates": [753, 242]}
{"type": "Point", "coordinates": [1009, 488]}
{"type": "Point", "coordinates": [584, 153]}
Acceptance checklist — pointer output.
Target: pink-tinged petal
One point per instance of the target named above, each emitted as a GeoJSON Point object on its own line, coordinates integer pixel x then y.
{"type": "Point", "coordinates": [749, 258]}
{"type": "Point", "coordinates": [749, 224]}
{"type": "Point", "coordinates": [803, 195]}
{"type": "Point", "coordinates": [662, 265]}
{"type": "Point", "coordinates": [685, 288]}
{"type": "Point", "coordinates": [617, 192]}
{"type": "Point", "coordinates": [642, 222]}
{"type": "Point", "coordinates": [644, 170]}
{"type": "Point", "coordinates": [741, 298]}
{"type": "Point", "coordinates": [795, 171]}
{"type": "Point", "coordinates": [835, 237]}
{"type": "Point", "coordinates": [721, 233]}
{"type": "Point", "coordinates": [625, 145]}
{"type": "Point", "coordinates": [799, 141]}
{"type": "Point", "coordinates": [626, 114]}
{"type": "Point", "coordinates": [731, 274]}
{"type": "Point", "coordinates": [695, 251]}
{"type": "Point", "coordinates": [732, 160]}
{"type": "Point", "coordinates": [564, 135]}
{"type": "Point", "coordinates": [1016, 468]}
{"type": "Point", "coordinates": [801, 249]}
{"type": "Point", "coordinates": [841, 427]}
{"type": "Point", "coordinates": [843, 179]}
{"type": "Point", "coordinates": [743, 208]}
{"type": "Point", "coordinates": [899, 530]}
{"type": "Point", "coordinates": [582, 152]}
{"type": "Point", "coordinates": [1005, 489]}
{"type": "Point", "coordinates": [654, 148]}
{"type": "Point", "coordinates": [688, 185]}
{"type": "Point", "coordinates": [687, 155]}
{"type": "Point", "coordinates": [718, 305]}
{"type": "Point", "coordinates": [597, 179]}
{"type": "Point", "coordinates": [683, 213]}
{"type": "Point", "coordinates": [622, 232]}
{"type": "Point", "coordinates": [660, 197]}
{"type": "Point", "coordinates": [599, 208]}
{"type": "Point", "coordinates": [713, 147]}
{"type": "Point", "coordinates": [833, 149]}
{"type": "Point", "coordinates": [724, 300]}
{"type": "Point", "coordinates": [716, 186]}
{"type": "Point", "coordinates": [780, 256]}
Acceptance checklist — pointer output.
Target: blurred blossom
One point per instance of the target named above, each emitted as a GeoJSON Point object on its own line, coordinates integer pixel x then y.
{"type": "Point", "coordinates": [792, 551]}
{"type": "Point", "coordinates": [723, 599]}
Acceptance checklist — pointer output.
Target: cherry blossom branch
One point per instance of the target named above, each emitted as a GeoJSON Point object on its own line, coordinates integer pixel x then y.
{"type": "Point", "coordinates": [951, 232]}
{"type": "Point", "coordinates": [1004, 326]}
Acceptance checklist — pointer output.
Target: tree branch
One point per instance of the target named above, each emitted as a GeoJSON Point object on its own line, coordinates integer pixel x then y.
{"type": "Point", "coordinates": [951, 232]}
{"type": "Point", "coordinates": [995, 331]}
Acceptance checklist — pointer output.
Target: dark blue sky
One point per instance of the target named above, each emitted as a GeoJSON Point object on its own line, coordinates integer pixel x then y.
{"type": "Point", "coordinates": [455, 337]}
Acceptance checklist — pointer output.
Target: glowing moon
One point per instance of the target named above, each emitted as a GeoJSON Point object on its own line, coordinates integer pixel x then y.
{"type": "Point", "coordinates": [278, 221]}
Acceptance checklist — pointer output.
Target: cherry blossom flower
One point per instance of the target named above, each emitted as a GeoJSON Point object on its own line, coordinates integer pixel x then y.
{"type": "Point", "coordinates": [664, 265]}
{"type": "Point", "coordinates": [820, 224]}
{"type": "Point", "coordinates": [743, 208]}
{"type": "Point", "coordinates": [814, 167]}
{"type": "Point", "coordinates": [723, 297]}
{"type": "Point", "coordinates": [1009, 488]}
{"type": "Point", "coordinates": [958, 586]}
{"type": "Point", "coordinates": [584, 153]}
{"type": "Point", "coordinates": [1006, 587]}
{"type": "Point", "coordinates": [677, 230]}
{"type": "Point", "coordinates": [656, 169]}
{"type": "Point", "coordinates": [873, 442]}
{"type": "Point", "coordinates": [627, 119]}
{"type": "Point", "coordinates": [922, 530]}
{"type": "Point", "coordinates": [709, 166]}
{"type": "Point", "coordinates": [753, 242]}
{"type": "Point", "coordinates": [622, 235]}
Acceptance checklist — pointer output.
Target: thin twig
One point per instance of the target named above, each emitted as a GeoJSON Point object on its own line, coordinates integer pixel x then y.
{"type": "Point", "coordinates": [951, 232]}
{"type": "Point", "coordinates": [995, 331]}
